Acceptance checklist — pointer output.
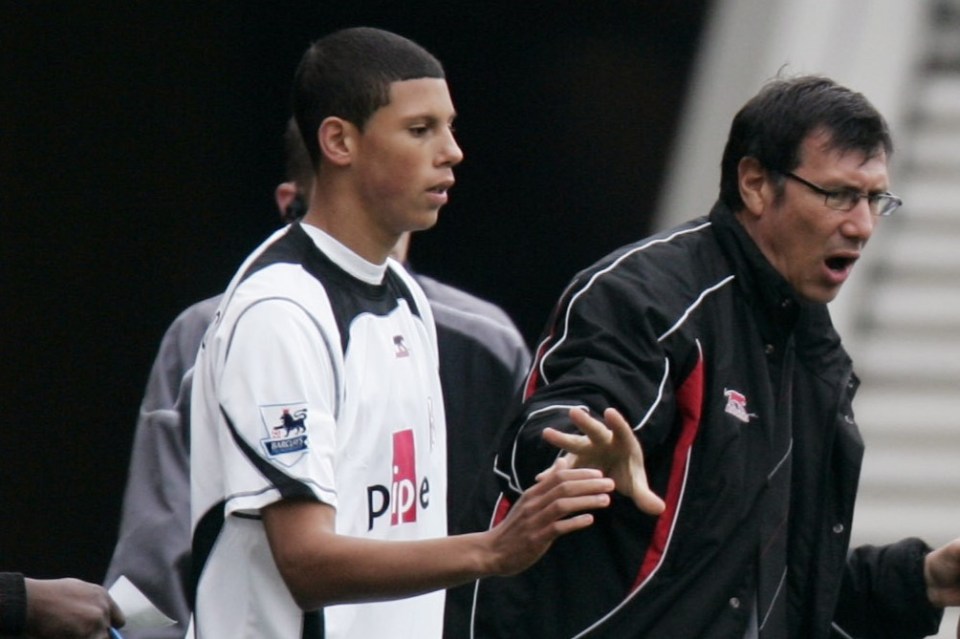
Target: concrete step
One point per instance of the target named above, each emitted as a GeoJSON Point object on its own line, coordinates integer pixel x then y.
{"type": "Point", "coordinates": [918, 473]}
{"type": "Point", "coordinates": [906, 347]}
{"type": "Point", "coordinates": [907, 359]}
{"type": "Point", "coordinates": [933, 147]}
{"type": "Point", "coordinates": [927, 301]}
{"type": "Point", "coordinates": [944, 43]}
{"type": "Point", "coordinates": [924, 417]}
{"type": "Point", "coordinates": [933, 250]}
{"type": "Point", "coordinates": [882, 521]}
{"type": "Point", "coordinates": [938, 96]}
{"type": "Point", "coordinates": [930, 201]}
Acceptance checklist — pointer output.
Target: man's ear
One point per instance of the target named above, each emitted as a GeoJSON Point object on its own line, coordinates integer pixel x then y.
{"type": "Point", "coordinates": [284, 194]}
{"type": "Point", "coordinates": [335, 138]}
{"type": "Point", "coordinates": [755, 189]}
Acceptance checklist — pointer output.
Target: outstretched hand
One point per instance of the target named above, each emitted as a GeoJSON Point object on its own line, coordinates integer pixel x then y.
{"type": "Point", "coordinates": [555, 505]}
{"type": "Point", "coordinates": [611, 447]}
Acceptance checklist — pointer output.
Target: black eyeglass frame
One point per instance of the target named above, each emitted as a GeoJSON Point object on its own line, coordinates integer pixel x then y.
{"type": "Point", "coordinates": [881, 204]}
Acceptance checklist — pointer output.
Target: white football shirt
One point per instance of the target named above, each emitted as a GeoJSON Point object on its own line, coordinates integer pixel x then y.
{"type": "Point", "coordinates": [318, 379]}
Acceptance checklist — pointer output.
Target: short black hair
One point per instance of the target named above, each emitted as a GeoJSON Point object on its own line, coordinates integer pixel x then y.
{"type": "Point", "coordinates": [348, 74]}
{"type": "Point", "coordinates": [772, 126]}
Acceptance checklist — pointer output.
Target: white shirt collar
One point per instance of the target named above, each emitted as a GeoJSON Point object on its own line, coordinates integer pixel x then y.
{"type": "Point", "coordinates": [344, 257]}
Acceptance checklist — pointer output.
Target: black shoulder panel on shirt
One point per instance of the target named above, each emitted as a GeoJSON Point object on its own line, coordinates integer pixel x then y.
{"type": "Point", "coordinates": [349, 297]}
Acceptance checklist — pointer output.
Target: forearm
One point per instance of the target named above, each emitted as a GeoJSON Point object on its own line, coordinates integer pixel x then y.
{"type": "Point", "coordinates": [350, 569]}
{"type": "Point", "coordinates": [884, 593]}
{"type": "Point", "coordinates": [321, 567]}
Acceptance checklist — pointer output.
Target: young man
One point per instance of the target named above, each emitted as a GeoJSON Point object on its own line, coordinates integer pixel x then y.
{"type": "Point", "coordinates": [318, 459]}
{"type": "Point", "coordinates": [714, 343]}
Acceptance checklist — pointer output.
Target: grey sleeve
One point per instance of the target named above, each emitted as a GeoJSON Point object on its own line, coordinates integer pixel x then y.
{"type": "Point", "coordinates": [153, 548]}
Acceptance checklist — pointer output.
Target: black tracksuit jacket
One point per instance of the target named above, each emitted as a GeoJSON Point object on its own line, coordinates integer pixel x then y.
{"type": "Point", "coordinates": [708, 352]}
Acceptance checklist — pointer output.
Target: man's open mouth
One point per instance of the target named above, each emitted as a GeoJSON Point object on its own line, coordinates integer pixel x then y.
{"type": "Point", "coordinates": [840, 264]}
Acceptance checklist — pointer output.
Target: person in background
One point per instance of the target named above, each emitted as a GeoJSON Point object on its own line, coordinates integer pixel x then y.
{"type": "Point", "coordinates": [153, 544]}
{"type": "Point", "coordinates": [55, 608]}
{"type": "Point", "coordinates": [699, 368]}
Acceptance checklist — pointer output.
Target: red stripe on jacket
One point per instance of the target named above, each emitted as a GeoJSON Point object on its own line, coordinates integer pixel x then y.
{"type": "Point", "coordinates": [689, 404]}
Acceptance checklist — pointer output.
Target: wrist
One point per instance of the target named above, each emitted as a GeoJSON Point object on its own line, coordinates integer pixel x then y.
{"type": "Point", "coordinates": [929, 579]}
{"type": "Point", "coordinates": [13, 604]}
{"type": "Point", "coordinates": [487, 560]}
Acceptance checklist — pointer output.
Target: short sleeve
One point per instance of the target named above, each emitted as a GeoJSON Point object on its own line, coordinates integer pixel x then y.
{"type": "Point", "coordinates": [279, 394]}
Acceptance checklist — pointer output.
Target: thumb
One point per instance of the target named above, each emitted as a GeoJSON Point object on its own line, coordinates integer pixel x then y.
{"type": "Point", "coordinates": [647, 500]}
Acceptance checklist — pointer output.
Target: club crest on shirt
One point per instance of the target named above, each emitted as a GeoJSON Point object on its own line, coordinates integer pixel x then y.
{"type": "Point", "coordinates": [736, 405]}
{"type": "Point", "coordinates": [286, 426]}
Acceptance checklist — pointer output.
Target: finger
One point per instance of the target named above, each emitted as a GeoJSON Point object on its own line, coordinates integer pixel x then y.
{"type": "Point", "coordinates": [593, 428]}
{"type": "Point", "coordinates": [644, 498]}
{"type": "Point", "coordinates": [551, 499]}
{"type": "Point", "coordinates": [617, 424]}
{"type": "Point", "coordinates": [543, 515]}
{"type": "Point", "coordinates": [572, 524]}
{"type": "Point", "coordinates": [569, 442]}
{"type": "Point", "coordinates": [562, 462]}
{"type": "Point", "coordinates": [571, 480]}
{"type": "Point", "coordinates": [580, 494]}
{"type": "Point", "coordinates": [117, 618]}
{"type": "Point", "coordinates": [647, 500]}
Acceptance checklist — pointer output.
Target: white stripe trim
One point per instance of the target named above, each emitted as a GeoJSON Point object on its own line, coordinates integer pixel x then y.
{"type": "Point", "coordinates": [599, 622]}
{"type": "Point", "coordinates": [514, 479]}
{"type": "Point", "coordinates": [666, 546]}
{"type": "Point", "coordinates": [696, 303]}
{"type": "Point", "coordinates": [773, 601]}
{"type": "Point", "coordinates": [476, 583]}
{"type": "Point", "coordinates": [786, 455]}
{"type": "Point", "coordinates": [656, 401]}
{"type": "Point", "coordinates": [597, 275]}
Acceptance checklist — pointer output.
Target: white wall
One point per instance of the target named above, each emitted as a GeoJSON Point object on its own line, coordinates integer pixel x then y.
{"type": "Point", "coordinates": [868, 45]}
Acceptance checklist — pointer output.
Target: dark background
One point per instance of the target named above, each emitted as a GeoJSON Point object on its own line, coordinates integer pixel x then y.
{"type": "Point", "coordinates": [139, 147]}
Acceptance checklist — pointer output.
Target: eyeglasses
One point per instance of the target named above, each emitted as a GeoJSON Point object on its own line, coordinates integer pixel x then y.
{"type": "Point", "coordinates": [882, 204]}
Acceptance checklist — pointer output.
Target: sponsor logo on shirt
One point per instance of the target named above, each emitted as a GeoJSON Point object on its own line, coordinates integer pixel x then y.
{"type": "Point", "coordinates": [286, 425]}
{"type": "Point", "coordinates": [736, 405]}
{"type": "Point", "coordinates": [401, 498]}
{"type": "Point", "coordinates": [401, 347]}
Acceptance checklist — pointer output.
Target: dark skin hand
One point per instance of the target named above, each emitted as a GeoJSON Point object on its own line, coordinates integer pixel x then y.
{"type": "Point", "coordinates": [69, 609]}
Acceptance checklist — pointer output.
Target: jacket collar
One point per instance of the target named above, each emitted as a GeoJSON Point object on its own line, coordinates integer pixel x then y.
{"type": "Point", "coordinates": [817, 340]}
{"type": "Point", "coordinates": [772, 296]}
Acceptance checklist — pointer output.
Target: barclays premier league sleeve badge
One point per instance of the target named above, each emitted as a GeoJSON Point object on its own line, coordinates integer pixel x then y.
{"type": "Point", "coordinates": [286, 426]}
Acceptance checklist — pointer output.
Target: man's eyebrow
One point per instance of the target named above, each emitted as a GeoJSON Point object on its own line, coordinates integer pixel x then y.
{"type": "Point", "coordinates": [429, 118]}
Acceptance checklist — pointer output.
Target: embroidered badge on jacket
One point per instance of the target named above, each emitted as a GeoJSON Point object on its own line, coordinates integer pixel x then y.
{"type": "Point", "coordinates": [736, 405]}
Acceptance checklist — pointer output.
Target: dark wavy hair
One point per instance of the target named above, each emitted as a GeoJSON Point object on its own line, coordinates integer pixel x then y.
{"type": "Point", "coordinates": [772, 126]}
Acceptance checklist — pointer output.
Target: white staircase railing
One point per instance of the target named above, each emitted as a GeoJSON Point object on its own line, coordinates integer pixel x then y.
{"type": "Point", "coordinates": [907, 330]}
